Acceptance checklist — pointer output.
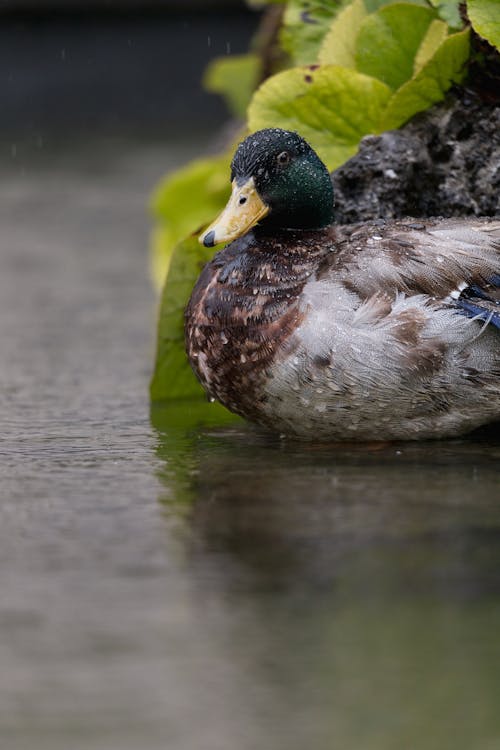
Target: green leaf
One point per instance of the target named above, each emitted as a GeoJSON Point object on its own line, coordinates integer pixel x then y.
{"type": "Point", "coordinates": [436, 34]}
{"type": "Point", "coordinates": [173, 377]}
{"type": "Point", "coordinates": [161, 243]}
{"type": "Point", "coordinates": [339, 44]}
{"type": "Point", "coordinates": [449, 11]}
{"type": "Point", "coordinates": [331, 106]}
{"type": "Point", "coordinates": [431, 83]}
{"type": "Point", "coordinates": [184, 201]}
{"type": "Point", "coordinates": [235, 78]}
{"type": "Point", "coordinates": [185, 416]}
{"type": "Point", "coordinates": [389, 39]}
{"type": "Point", "coordinates": [484, 16]}
{"type": "Point", "coordinates": [304, 25]}
{"type": "Point", "coordinates": [373, 5]}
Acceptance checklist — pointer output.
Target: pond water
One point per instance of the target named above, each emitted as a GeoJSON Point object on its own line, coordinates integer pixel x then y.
{"type": "Point", "coordinates": [179, 581]}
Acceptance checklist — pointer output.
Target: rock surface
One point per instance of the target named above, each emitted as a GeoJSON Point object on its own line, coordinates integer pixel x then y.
{"type": "Point", "coordinates": [445, 162]}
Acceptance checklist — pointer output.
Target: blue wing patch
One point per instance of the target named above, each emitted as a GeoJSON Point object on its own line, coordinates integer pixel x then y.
{"type": "Point", "coordinates": [482, 303]}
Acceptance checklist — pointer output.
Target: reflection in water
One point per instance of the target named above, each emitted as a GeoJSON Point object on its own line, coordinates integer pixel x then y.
{"type": "Point", "coordinates": [360, 582]}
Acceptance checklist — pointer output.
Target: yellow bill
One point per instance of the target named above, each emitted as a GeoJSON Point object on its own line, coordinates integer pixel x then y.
{"type": "Point", "coordinates": [243, 210]}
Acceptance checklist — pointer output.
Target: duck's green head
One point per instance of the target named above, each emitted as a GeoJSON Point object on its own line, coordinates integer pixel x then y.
{"type": "Point", "coordinates": [279, 182]}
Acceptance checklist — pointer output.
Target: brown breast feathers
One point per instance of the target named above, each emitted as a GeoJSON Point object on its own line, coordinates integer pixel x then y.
{"type": "Point", "coordinates": [243, 312]}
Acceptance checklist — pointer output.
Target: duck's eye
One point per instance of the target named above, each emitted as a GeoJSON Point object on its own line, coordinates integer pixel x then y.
{"type": "Point", "coordinates": [283, 158]}
{"type": "Point", "coordinates": [242, 200]}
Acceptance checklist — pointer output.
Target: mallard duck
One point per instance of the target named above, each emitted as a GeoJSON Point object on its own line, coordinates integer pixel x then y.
{"type": "Point", "coordinates": [381, 331]}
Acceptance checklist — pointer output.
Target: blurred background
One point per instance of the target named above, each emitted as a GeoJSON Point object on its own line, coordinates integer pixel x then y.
{"type": "Point", "coordinates": [112, 68]}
